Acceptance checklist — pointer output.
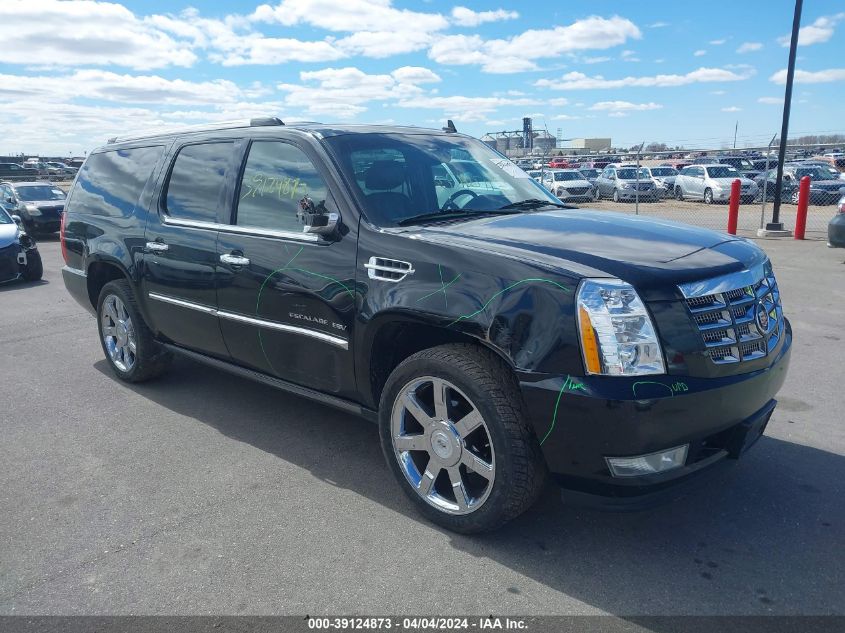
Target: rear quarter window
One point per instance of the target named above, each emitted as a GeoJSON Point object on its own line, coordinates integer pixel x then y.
{"type": "Point", "coordinates": [110, 183]}
{"type": "Point", "coordinates": [197, 181]}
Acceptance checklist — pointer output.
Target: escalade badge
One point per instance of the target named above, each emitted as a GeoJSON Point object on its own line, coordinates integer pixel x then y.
{"type": "Point", "coordinates": [762, 318]}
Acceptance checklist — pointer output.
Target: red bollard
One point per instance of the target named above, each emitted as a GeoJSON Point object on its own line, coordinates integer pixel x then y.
{"type": "Point", "coordinates": [733, 211]}
{"type": "Point", "coordinates": [803, 201]}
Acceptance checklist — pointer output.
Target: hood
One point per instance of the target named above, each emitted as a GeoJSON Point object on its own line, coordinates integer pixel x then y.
{"type": "Point", "coordinates": [727, 182]}
{"type": "Point", "coordinates": [572, 183]}
{"type": "Point", "coordinates": [643, 251]}
{"type": "Point", "coordinates": [8, 234]}
{"type": "Point", "coordinates": [827, 184]}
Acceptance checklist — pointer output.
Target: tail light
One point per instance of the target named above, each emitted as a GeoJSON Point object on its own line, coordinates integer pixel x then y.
{"type": "Point", "coordinates": [842, 206]}
{"type": "Point", "coordinates": [62, 236]}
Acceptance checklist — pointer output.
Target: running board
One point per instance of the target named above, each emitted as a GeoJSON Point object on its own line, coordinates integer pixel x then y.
{"type": "Point", "coordinates": [311, 394]}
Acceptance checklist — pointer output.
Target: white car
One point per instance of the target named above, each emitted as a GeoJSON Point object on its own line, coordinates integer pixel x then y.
{"type": "Point", "coordinates": [664, 179]}
{"type": "Point", "coordinates": [712, 183]}
{"type": "Point", "coordinates": [568, 184]}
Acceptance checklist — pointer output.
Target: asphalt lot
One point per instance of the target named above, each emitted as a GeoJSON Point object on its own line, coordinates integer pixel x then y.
{"type": "Point", "coordinates": [204, 493]}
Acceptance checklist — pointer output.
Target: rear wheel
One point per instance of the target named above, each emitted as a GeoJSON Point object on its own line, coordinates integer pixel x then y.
{"type": "Point", "coordinates": [127, 342]}
{"type": "Point", "coordinates": [616, 195]}
{"type": "Point", "coordinates": [456, 437]}
{"type": "Point", "coordinates": [597, 194]}
{"type": "Point", "coordinates": [679, 193]}
{"type": "Point", "coordinates": [34, 269]}
{"type": "Point", "coordinates": [794, 197]}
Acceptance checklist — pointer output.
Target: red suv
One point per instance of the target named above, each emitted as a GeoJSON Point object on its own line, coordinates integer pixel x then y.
{"type": "Point", "coordinates": [559, 162]}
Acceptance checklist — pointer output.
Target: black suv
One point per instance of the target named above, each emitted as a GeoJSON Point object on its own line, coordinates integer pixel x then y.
{"type": "Point", "coordinates": [494, 334]}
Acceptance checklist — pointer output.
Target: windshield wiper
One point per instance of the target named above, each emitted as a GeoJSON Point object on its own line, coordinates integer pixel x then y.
{"type": "Point", "coordinates": [534, 203]}
{"type": "Point", "coordinates": [450, 215]}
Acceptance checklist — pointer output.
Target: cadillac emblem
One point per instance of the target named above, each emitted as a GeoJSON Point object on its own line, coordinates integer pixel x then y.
{"type": "Point", "coordinates": [762, 318]}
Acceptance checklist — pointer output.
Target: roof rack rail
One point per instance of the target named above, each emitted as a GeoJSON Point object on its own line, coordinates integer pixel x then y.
{"type": "Point", "coordinates": [204, 127]}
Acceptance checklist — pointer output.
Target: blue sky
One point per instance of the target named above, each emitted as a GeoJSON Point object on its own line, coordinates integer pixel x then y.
{"type": "Point", "coordinates": [74, 73]}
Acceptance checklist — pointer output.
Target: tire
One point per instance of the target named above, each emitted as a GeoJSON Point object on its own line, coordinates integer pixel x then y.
{"type": "Point", "coordinates": [616, 195]}
{"type": "Point", "coordinates": [148, 360]}
{"type": "Point", "coordinates": [34, 267]}
{"type": "Point", "coordinates": [708, 196]}
{"type": "Point", "coordinates": [504, 445]}
{"type": "Point", "coordinates": [597, 195]}
{"type": "Point", "coordinates": [679, 194]}
{"type": "Point", "coordinates": [794, 197]}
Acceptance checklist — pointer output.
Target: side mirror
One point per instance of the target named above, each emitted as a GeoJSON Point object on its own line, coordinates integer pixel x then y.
{"type": "Point", "coordinates": [10, 199]}
{"type": "Point", "coordinates": [316, 218]}
{"type": "Point", "coordinates": [17, 220]}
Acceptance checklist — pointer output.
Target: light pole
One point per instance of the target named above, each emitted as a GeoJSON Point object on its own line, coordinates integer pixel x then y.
{"type": "Point", "coordinates": [776, 224]}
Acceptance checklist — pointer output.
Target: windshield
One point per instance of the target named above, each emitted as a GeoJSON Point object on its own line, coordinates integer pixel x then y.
{"type": "Point", "coordinates": [815, 173]}
{"type": "Point", "coordinates": [631, 174]}
{"type": "Point", "coordinates": [399, 176]}
{"type": "Point", "coordinates": [568, 175]}
{"type": "Point", "coordinates": [590, 173]}
{"type": "Point", "coordinates": [39, 192]}
{"type": "Point", "coordinates": [663, 171]}
{"type": "Point", "coordinates": [722, 171]}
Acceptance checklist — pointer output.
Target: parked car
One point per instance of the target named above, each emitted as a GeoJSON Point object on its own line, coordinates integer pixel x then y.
{"type": "Point", "coordinates": [761, 164]}
{"type": "Point", "coordinates": [536, 174]}
{"type": "Point", "coordinates": [559, 162]}
{"type": "Point", "coordinates": [624, 184]}
{"type": "Point", "coordinates": [19, 256]}
{"type": "Point", "coordinates": [766, 181]}
{"type": "Point", "coordinates": [494, 339]}
{"type": "Point", "coordinates": [834, 173]}
{"type": "Point", "coordinates": [60, 169]}
{"type": "Point", "coordinates": [712, 183]}
{"type": "Point", "coordinates": [568, 185]}
{"type": "Point", "coordinates": [589, 174]}
{"type": "Point", "coordinates": [836, 227]}
{"type": "Point", "coordinates": [835, 159]}
{"type": "Point", "coordinates": [39, 204]}
{"type": "Point", "coordinates": [823, 188]}
{"type": "Point", "coordinates": [664, 179]}
{"type": "Point", "coordinates": [740, 163]}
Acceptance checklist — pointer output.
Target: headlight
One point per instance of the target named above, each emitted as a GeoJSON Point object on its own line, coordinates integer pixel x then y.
{"type": "Point", "coordinates": [31, 209]}
{"type": "Point", "coordinates": [617, 335]}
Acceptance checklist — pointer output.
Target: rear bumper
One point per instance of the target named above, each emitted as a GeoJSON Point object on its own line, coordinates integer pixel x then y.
{"type": "Point", "coordinates": [76, 282]}
{"type": "Point", "coordinates": [582, 421]}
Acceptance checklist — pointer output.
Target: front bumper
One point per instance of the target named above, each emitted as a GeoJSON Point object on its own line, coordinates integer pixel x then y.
{"type": "Point", "coordinates": [580, 421]}
{"type": "Point", "coordinates": [12, 262]}
{"type": "Point", "coordinates": [631, 194]}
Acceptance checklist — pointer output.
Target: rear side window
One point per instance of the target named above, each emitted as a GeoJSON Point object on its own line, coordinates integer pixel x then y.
{"type": "Point", "coordinates": [196, 184]}
{"type": "Point", "coordinates": [110, 183]}
{"type": "Point", "coordinates": [276, 177]}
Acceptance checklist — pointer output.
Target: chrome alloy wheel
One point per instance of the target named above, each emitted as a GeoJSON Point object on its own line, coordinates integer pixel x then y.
{"type": "Point", "coordinates": [443, 445]}
{"type": "Point", "coordinates": [118, 333]}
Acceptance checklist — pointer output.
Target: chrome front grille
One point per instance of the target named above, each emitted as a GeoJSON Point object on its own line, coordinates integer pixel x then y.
{"type": "Point", "coordinates": [739, 316]}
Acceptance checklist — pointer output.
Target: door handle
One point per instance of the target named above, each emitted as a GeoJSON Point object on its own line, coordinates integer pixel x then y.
{"type": "Point", "coordinates": [234, 260]}
{"type": "Point", "coordinates": [157, 247]}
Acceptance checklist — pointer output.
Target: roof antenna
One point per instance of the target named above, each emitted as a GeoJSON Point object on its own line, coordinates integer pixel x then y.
{"type": "Point", "coordinates": [450, 127]}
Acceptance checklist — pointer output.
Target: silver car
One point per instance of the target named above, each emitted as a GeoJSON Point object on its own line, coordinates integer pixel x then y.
{"type": "Point", "coordinates": [625, 183]}
{"type": "Point", "coordinates": [568, 184]}
{"type": "Point", "coordinates": [664, 179]}
{"type": "Point", "coordinates": [712, 183]}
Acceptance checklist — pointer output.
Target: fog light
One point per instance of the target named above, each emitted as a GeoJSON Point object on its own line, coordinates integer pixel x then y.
{"type": "Point", "coordinates": [648, 464]}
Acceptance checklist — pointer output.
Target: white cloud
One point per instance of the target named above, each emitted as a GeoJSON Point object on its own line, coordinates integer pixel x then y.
{"type": "Point", "coordinates": [618, 106]}
{"type": "Point", "coordinates": [49, 33]}
{"type": "Point", "coordinates": [717, 42]}
{"type": "Point", "coordinates": [771, 100]}
{"type": "Point", "coordinates": [467, 17]}
{"type": "Point", "coordinates": [731, 109]}
{"type": "Point", "coordinates": [658, 25]}
{"type": "Point", "coordinates": [699, 53]}
{"type": "Point", "coordinates": [462, 108]}
{"type": "Point", "coordinates": [629, 56]}
{"type": "Point", "coordinates": [718, 92]}
{"type": "Point", "coordinates": [596, 60]}
{"type": "Point", "coordinates": [518, 53]}
{"type": "Point", "coordinates": [618, 115]}
{"type": "Point", "coordinates": [748, 47]}
{"type": "Point", "coordinates": [818, 32]}
{"type": "Point", "coordinates": [346, 92]}
{"type": "Point", "coordinates": [349, 16]}
{"type": "Point", "coordinates": [580, 81]}
{"type": "Point", "coordinates": [565, 117]}
{"type": "Point", "coordinates": [811, 77]}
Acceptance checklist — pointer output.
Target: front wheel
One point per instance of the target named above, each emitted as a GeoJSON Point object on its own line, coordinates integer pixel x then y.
{"type": "Point", "coordinates": [708, 196]}
{"type": "Point", "coordinates": [127, 342]}
{"type": "Point", "coordinates": [456, 437]}
{"type": "Point", "coordinates": [616, 195]}
{"type": "Point", "coordinates": [679, 194]}
{"type": "Point", "coordinates": [597, 195]}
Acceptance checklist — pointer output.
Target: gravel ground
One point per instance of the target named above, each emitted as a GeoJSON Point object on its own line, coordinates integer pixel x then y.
{"type": "Point", "coordinates": [204, 493]}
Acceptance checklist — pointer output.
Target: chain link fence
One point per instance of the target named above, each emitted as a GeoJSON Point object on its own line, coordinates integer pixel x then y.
{"type": "Point", "coordinates": [694, 187]}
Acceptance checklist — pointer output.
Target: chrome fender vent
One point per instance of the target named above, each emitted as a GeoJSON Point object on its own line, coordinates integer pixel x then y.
{"type": "Point", "coordinates": [385, 269]}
